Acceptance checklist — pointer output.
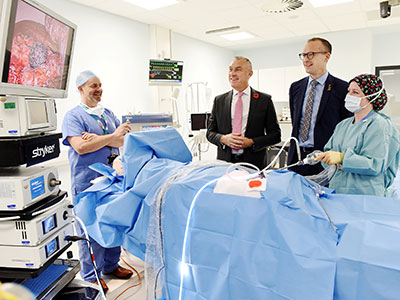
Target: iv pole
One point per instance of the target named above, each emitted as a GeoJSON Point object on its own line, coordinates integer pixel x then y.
{"type": "Point", "coordinates": [191, 87]}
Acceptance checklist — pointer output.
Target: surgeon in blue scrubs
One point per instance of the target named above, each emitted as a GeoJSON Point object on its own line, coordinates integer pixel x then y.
{"type": "Point", "coordinates": [367, 146]}
{"type": "Point", "coordinates": [94, 134]}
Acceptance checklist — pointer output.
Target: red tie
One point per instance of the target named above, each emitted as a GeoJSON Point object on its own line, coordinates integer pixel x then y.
{"type": "Point", "coordinates": [305, 128]}
{"type": "Point", "coordinates": [237, 117]}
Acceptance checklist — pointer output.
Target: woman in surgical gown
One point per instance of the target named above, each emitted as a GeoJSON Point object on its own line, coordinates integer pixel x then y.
{"type": "Point", "coordinates": [367, 146]}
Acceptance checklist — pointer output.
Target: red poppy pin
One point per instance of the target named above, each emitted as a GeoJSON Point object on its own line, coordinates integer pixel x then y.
{"type": "Point", "coordinates": [256, 95]}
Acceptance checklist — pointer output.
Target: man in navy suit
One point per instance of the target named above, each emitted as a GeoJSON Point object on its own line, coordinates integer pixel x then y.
{"type": "Point", "coordinates": [258, 127]}
{"type": "Point", "coordinates": [316, 104]}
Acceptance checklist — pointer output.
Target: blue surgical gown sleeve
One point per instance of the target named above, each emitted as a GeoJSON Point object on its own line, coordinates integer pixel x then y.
{"type": "Point", "coordinates": [72, 125]}
{"type": "Point", "coordinates": [371, 159]}
{"type": "Point", "coordinates": [368, 157]}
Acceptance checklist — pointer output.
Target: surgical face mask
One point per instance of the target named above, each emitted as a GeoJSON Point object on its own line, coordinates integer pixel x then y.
{"type": "Point", "coordinates": [352, 103]}
{"type": "Point", "coordinates": [98, 110]}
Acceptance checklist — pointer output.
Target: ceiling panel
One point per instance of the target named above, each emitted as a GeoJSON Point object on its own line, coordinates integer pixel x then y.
{"type": "Point", "coordinates": [263, 23]}
{"type": "Point", "coordinates": [218, 5]}
{"type": "Point", "coordinates": [346, 22]}
{"type": "Point", "coordinates": [276, 35]}
{"type": "Point", "coordinates": [300, 28]}
{"type": "Point", "coordinates": [151, 18]}
{"type": "Point", "coordinates": [120, 7]}
{"type": "Point", "coordinates": [242, 13]}
{"type": "Point", "coordinates": [296, 16]}
{"type": "Point", "coordinates": [194, 17]}
{"type": "Point", "coordinates": [369, 4]}
{"type": "Point", "coordinates": [91, 3]}
{"type": "Point", "coordinates": [338, 10]}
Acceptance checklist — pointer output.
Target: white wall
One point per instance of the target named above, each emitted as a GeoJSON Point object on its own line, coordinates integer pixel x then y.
{"type": "Point", "coordinates": [351, 53]}
{"type": "Point", "coordinates": [386, 48]}
{"type": "Point", "coordinates": [202, 63]}
{"type": "Point", "coordinates": [116, 49]}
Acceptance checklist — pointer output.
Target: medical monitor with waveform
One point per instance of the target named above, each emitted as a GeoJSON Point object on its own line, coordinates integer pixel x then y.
{"type": "Point", "coordinates": [165, 72]}
{"type": "Point", "coordinates": [35, 51]}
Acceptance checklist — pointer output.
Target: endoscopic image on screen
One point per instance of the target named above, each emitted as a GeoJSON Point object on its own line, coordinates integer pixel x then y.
{"type": "Point", "coordinates": [39, 46]}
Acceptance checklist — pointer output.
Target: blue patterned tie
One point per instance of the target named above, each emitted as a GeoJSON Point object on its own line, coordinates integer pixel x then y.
{"type": "Point", "coordinates": [305, 128]}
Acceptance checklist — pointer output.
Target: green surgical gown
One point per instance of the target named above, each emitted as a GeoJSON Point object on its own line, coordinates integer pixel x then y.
{"type": "Point", "coordinates": [372, 155]}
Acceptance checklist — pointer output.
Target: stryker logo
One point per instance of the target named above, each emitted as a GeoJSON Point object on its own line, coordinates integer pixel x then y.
{"type": "Point", "coordinates": [43, 151]}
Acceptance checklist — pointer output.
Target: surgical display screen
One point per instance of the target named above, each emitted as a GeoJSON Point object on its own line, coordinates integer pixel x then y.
{"type": "Point", "coordinates": [37, 187]}
{"type": "Point", "coordinates": [165, 71]}
{"type": "Point", "coordinates": [52, 247]}
{"type": "Point", "coordinates": [38, 48]}
{"type": "Point", "coordinates": [49, 224]}
{"type": "Point", "coordinates": [37, 112]}
{"type": "Point", "coordinates": [199, 121]}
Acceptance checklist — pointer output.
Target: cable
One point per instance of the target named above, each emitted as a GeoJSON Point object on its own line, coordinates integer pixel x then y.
{"type": "Point", "coordinates": [155, 261]}
{"type": "Point", "coordinates": [91, 253]}
{"type": "Point", "coordinates": [280, 151]}
{"type": "Point", "coordinates": [75, 238]}
{"type": "Point", "coordinates": [132, 286]}
{"type": "Point", "coordinates": [156, 280]}
{"type": "Point", "coordinates": [196, 141]}
{"type": "Point", "coordinates": [258, 173]}
{"type": "Point", "coordinates": [183, 263]}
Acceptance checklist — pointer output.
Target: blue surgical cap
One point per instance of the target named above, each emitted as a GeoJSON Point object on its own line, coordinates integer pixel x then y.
{"type": "Point", "coordinates": [83, 77]}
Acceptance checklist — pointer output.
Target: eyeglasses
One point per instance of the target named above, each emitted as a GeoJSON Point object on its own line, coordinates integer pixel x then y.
{"type": "Point", "coordinates": [309, 55]}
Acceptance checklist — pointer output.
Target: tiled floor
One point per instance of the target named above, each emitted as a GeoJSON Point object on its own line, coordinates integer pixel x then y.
{"type": "Point", "coordinates": [118, 286]}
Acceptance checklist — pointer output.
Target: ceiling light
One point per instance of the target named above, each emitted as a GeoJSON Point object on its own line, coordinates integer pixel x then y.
{"type": "Point", "coordinates": [153, 4]}
{"type": "Point", "coordinates": [321, 3]}
{"type": "Point", "coordinates": [238, 36]}
{"type": "Point", "coordinates": [219, 30]}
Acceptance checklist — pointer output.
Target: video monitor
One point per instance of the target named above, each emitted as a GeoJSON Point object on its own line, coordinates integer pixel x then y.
{"type": "Point", "coordinates": [37, 111]}
{"type": "Point", "coordinates": [165, 72]}
{"type": "Point", "coordinates": [49, 224]}
{"type": "Point", "coordinates": [199, 120]}
{"type": "Point", "coordinates": [36, 50]}
{"type": "Point", "coordinates": [52, 247]}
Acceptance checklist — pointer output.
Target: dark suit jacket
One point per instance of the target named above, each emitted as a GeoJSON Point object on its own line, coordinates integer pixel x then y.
{"type": "Point", "coordinates": [262, 126]}
{"type": "Point", "coordinates": [331, 111]}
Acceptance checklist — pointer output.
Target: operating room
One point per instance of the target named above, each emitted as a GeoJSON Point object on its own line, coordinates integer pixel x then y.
{"type": "Point", "coordinates": [185, 226]}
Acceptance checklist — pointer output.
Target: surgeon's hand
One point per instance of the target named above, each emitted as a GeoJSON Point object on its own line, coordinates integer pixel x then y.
{"type": "Point", "coordinates": [331, 157]}
{"type": "Point", "coordinates": [121, 130]}
{"type": "Point", "coordinates": [88, 136]}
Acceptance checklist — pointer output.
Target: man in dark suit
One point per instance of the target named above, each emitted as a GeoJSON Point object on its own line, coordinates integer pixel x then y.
{"type": "Point", "coordinates": [316, 104]}
{"type": "Point", "coordinates": [243, 121]}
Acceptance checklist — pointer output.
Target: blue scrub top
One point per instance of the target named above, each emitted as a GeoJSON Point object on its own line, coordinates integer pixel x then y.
{"type": "Point", "coordinates": [75, 122]}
